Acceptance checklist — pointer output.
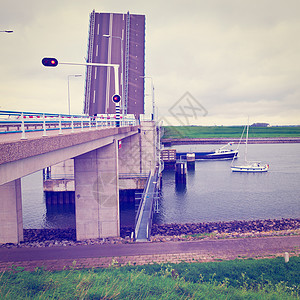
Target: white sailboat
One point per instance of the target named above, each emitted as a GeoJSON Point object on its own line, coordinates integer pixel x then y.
{"type": "Point", "coordinates": [249, 166]}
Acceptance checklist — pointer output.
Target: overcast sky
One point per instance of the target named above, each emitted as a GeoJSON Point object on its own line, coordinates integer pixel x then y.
{"type": "Point", "coordinates": [234, 57]}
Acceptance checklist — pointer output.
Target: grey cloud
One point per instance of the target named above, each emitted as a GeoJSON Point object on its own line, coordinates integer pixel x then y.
{"type": "Point", "coordinates": [231, 55]}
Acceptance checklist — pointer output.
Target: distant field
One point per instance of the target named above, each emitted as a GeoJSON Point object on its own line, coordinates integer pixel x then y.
{"type": "Point", "coordinates": [228, 132]}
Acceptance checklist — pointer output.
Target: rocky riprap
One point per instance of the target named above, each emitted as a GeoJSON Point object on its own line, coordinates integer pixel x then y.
{"type": "Point", "coordinates": [64, 237]}
{"type": "Point", "coordinates": [42, 235]}
{"type": "Point", "coordinates": [225, 227]}
{"type": "Point", "coordinates": [165, 232]}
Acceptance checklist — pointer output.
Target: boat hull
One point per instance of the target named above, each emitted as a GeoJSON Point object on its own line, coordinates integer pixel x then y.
{"type": "Point", "coordinates": [209, 155]}
{"type": "Point", "coordinates": [250, 169]}
{"type": "Point", "coordinates": [229, 155]}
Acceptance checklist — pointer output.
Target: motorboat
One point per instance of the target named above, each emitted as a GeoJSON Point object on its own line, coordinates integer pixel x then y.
{"type": "Point", "coordinates": [220, 154]}
{"type": "Point", "coordinates": [223, 153]}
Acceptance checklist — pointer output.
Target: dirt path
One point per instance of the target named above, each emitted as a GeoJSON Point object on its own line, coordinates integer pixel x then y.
{"type": "Point", "coordinates": [59, 257]}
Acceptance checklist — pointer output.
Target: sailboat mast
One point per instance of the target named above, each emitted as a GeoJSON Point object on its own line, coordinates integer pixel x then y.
{"type": "Point", "coordinates": [246, 150]}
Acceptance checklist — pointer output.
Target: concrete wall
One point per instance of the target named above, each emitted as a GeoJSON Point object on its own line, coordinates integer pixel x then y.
{"type": "Point", "coordinates": [59, 185]}
{"type": "Point", "coordinates": [61, 177]}
{"type": "Point", "coordinates": [148, 146]}
{"type": "Point", "coordinates": [63, 170]}
{"type": "Point", "coordinates": [132, 183]}
{"type": "Point", "coordinates": [130, 155]}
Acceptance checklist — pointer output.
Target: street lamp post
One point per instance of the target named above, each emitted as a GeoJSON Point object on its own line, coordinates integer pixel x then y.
{"type": "Point", "coordinates": [75, 75]}
{"type": "Point", "coordinates": [53, 62]}
{"type": "Point", "coordinates": [124, 109]}
{"type": "Point", "coordinates": [153, 102]}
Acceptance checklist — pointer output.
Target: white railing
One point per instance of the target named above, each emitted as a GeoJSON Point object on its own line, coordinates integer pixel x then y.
{"type": "Point", "coordinates": [22, 122]}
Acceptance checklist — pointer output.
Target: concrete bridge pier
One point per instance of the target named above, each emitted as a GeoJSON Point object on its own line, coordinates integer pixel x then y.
{"type": "Point", "coordinates": [11, 221]}
{"type": "Point", "coordinates": [97, 193]}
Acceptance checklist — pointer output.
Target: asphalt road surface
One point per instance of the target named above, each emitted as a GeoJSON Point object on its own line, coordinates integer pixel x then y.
{"type": "Point", "coordinates": [227, 247]}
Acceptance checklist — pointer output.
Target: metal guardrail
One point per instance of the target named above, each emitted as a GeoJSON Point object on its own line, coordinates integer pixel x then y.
{"type": "Point", "coordinates": [138, 217]}
{"type": "Point", "coordinates": [150, 193]}
{"type": "Point", "coordinates": [133, 175]}
{"type": "Point", "coordinates": [154, 195]}
{"type": "Point", "coordinates": [51, 176]}
{"type": "Point", "coordinates": [22, 122]}
{"type": "Point", "coordinates": [58, 176]}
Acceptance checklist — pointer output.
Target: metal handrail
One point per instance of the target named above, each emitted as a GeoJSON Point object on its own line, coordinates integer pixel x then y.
{"type": "Point", "coordinates": [133, 175]}
{"type": "Point", "coordinates": [16, 121]}
{"type": "Point", "coordinates": [138, 217]}
{"type": "Point", "coordinates": [152, 179]}
{"type": "Point", "coordinates": [59, 177]}
{"type": "Point", "coordinates": [150, 216]}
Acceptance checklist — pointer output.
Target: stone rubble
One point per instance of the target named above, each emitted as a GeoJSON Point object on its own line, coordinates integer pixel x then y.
{"type": "Point", "coordinates": [226, 227]}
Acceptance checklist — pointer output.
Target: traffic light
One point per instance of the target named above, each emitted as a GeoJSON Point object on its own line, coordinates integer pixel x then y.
{"type": "Point", "coordinates": [116, 98]}
{"type": "Point", "coordinates": [49, 62]}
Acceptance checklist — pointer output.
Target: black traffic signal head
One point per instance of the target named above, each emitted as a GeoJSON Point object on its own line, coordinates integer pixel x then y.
{"type": "Point", "coordinates": [49, 62]}
{"type": "Point", "coordinates": [116, 98]}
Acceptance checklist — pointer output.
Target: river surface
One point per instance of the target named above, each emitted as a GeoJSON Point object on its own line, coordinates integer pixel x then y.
{"type": "Point", "coordinates": [212, 192]}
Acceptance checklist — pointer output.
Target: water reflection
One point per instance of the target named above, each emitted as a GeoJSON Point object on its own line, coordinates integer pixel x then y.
{"type": "Point", "coordinates": [180, 187]}
{"type": "Point", "coordinates": [60, 216]}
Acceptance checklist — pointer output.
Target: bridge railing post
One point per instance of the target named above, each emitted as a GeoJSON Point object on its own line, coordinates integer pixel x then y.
{"type": "Point", "coordinates": [81, 123]}
{"type": "Point", "coordinates": [72, 124]}
{"type": "Point", "coordinates": [90, 124]}
{"type": "Point", "coordinates": [44, 126]}
{"type": "Point", "coordinates": [23, 127]}
{"type": "Point", "coordinates": [59, 121]}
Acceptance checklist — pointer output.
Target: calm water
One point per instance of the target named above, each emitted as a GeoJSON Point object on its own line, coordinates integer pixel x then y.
{"type": "Point", "coordinates": [212, 193]}
{"type": "Point", "coordinates": [36, 214]}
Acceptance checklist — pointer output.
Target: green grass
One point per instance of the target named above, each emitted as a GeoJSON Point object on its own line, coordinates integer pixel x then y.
{"type": "Point", "coordinates": [201, 235]}
{"type": "Point", "coordinates": [228, 132]}
{"type": "Point", "coordinates": [238, 279]}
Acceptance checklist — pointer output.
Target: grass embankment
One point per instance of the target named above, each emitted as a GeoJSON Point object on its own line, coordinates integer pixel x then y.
{"type": "Point", "coordinates": [178, 132]}
{"type": "Point", "coordinates": [238, 279]}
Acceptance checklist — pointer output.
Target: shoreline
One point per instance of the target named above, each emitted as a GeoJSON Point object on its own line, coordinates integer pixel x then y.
{"type": "Point", "coordinates": [225, 230]}
{"type": "Point", "coordinates": [209, 141]}
{"type": "Point", "coordinates": [166, 233]}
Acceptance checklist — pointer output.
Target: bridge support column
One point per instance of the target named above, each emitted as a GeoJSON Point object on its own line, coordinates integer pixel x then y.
{"type": "Point", "coordinates": [11, 221]}
{"type": "Point", "coordinates": [97, 193]}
